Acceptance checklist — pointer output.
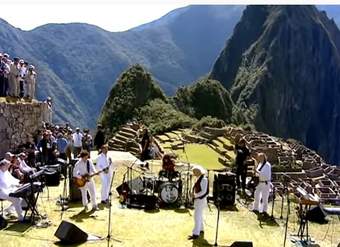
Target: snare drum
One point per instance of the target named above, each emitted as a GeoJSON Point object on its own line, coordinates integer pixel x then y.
{"type": "Point", "coordinates": [168, 193]}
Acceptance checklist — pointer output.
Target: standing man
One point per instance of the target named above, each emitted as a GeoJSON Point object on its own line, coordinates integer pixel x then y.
{"type": "Point", "coordinates": [9, 184]}
{"type": "Point", "coordinates": [200, 193]}
{"type": "Point", "coordinates": [85, 167]}
{"type": "Point", "coordinates": [30, 81]}
{"type": "Point", "coordinates": [264, 171]}
{"type": "Point", "coordinates": [87, 140]}
{"type": "Point", "coordinates": [99, 138]}
{"type": "Point", "coordinates": [61, 146]}
{"type": "Point", "coordinates": [14, 78]}
{"type": "Point", "coordinates": [242, 153]}
{"type": "Point", "coordinates": [77, 138]}
{"type": "Point", "coordinates": [4, 74]}
{"type": "Point", "coordinates": [103, 162]}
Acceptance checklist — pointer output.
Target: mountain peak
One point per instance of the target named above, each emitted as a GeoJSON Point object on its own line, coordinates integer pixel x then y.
{"type": "Point", "coordinates": [282, 68]}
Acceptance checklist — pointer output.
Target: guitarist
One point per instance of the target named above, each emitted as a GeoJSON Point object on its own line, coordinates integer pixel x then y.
{"type": "Point", "coordinates": [82, 169]}
{"type": "Point", "coordinates": [264, 172]}
{"type": "Point", "coordinates": [104, 162]}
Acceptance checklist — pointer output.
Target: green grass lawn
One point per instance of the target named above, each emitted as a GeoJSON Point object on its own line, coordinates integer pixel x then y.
{"type": "Point", "coordinates": [200, 154]}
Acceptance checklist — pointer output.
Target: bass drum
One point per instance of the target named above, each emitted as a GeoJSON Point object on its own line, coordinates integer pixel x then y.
{"type": "Point", "coordinates": [168, 192]}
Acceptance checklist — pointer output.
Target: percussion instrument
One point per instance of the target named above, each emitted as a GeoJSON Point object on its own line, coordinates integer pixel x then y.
{"type": "Point", "coordinates": [169, 193]}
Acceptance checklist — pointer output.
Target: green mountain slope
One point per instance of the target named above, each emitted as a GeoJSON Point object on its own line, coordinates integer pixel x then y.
{"type": "Point", "coordinates": [77, 63]}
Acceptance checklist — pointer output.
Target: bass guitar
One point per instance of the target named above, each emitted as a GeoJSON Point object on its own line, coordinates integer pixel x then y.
{"type": "Point", "coordinates": [80, 182]}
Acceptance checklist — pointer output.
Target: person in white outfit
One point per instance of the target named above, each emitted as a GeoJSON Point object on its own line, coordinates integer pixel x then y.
{"type": "Point", "coordinates": [200, 193]}
{"type": "Point", "coordinates": [77, 142]}
{"type": "Point", "coordinates": [84, 167]}
{"type": "Point", "coordinates": [9, 184]}
{"type": "Point", "coordinates": [264, 172]}
{"type": "Point", "coordinates": [103, 162]}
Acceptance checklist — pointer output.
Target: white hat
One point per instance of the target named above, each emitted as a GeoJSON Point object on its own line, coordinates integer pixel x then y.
{"type": "Point", "coordinates": [9, 154]}
{"type": "Point", "coordinates": [4, 162]}
{"type": "Point", "coordinates": [198, 167]}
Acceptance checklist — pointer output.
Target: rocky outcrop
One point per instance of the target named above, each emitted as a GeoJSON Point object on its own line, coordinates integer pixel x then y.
{"type": "Point", "coordinates": [282, 67]}
{"type": "Point", "coordinates": [18, 121]}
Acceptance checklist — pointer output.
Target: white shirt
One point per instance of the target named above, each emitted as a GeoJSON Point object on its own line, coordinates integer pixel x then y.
{"type": "Point", "coordinates": [105, 161]}
{"type": "Point", "coordinates": [23, 70]}
{"type": "Point", "coordinates": [77, 137]}
{"type": "Point", "coordinates": [24, 167]}
{"type": "Point", "coordinates": [80, 168]}
{"type": "Point", "coordinates": [8, 183]}
{"type": "Point", "coordinates": [266, 172]}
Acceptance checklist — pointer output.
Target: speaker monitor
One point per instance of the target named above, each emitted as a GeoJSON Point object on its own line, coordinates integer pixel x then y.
{"type": "Point", "coordinates": [224, 189]}
{"type": "Point", "coordinates": [69, 233]}
{"type": "Point", "coordinates": [242, 244]}
{"type": "Point", "coordinates": [3, 222]}
{"type": "Point", "coordinates": [316, 215]}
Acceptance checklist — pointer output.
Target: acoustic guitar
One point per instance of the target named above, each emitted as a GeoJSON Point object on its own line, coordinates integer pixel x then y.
{"type": "Point", "coordinates": [80, 182]}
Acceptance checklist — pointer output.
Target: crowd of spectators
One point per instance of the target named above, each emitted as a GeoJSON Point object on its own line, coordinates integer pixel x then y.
{"type": "Point", "coordinates": [50, 143]}
{"type": "Point", "coordinates": [17, 77]}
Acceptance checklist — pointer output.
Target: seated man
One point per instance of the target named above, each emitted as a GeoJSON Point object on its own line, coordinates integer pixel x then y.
{"type": "Point", "coordinates": [15, 170]}
{"type": "Point", "coordinates": [9, 184]}
{"type": "Point", "coordinates": [168, 168]}
{"type": "Point", "coordinates": [24, 168]}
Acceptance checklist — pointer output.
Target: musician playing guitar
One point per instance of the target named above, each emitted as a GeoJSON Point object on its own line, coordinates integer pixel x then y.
{"type": "Point", "coordinates": [83, 169]}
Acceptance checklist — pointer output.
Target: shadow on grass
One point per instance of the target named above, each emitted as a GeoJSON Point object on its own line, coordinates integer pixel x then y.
{"type": "Point", "coordinates": [268, 221]}
{"type": "Point", "coordinates": [201, 242]}
{"type": "Point", "coordinates": [60, 243]}
{"type": "Point", "coordinates": [230, 208]}
{"type": "Point", "coordinates": [79, 217]}
{"type": "Point", "coordinates": [18, 227]}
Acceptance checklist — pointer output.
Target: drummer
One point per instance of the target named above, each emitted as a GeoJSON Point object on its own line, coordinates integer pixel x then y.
{"type": "Point", "coordinates": [168, 167]}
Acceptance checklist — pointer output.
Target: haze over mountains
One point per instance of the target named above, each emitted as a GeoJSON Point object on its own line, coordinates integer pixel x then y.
{"type": "Point", "coordinates": [78, 63]}
{"type": "Point", "coordinates": [282, 67]}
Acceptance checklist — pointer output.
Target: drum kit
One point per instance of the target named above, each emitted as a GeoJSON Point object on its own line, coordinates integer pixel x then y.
{"type": "Point", "coordinates": [168, 185]}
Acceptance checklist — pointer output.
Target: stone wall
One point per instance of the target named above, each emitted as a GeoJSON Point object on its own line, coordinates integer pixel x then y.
{"type": "Point", "coordinates": [20, 120]}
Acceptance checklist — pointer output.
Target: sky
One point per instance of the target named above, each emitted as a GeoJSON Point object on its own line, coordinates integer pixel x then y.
{"type": "Point", "coordinates": [112, 15]}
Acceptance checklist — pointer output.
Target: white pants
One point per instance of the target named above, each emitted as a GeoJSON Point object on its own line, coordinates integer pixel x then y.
{"type": "Point", "coordinates": [106, 184]}
{"type": "Point", "coordinates": [199, 205]}
{"type": "Point", "coordinates": [16, 203]}
{"type": "Point", "coordinates": [261, 192]}
{"type": "Point", "coordinates": [91, 189]}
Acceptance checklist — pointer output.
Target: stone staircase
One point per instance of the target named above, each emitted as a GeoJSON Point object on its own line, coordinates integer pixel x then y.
{"type": "Point", "coordinates": [126, 139]}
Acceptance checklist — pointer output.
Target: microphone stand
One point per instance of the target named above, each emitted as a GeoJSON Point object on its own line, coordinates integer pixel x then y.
{"type": "Point", "coordinates": [109, 237]}
{"type": "Point", "coordinates": [287, 217]}
{"type": "Point", "coordinates": [218, 219]}
{"type": "Point", "coordinates": [272, 215]}
{"type": "Point", "coordinates": [64, 198]}
{"type": "Point", "coordinates": [187, 199]}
